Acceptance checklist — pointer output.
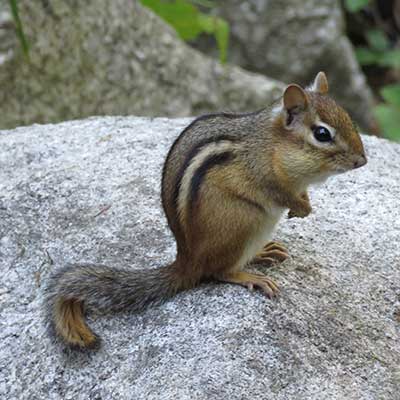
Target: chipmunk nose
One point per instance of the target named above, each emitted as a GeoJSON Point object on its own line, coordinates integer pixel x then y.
{"type": "Point", "coordinates": [360, 161]}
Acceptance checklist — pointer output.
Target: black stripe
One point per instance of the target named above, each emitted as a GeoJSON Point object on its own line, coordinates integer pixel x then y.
{"type": "Point", "coordinates": [250, 202]}
{"type": "Point", "coordinates": [205, 117]}
{"type": "Point", "coordinates": [196, 149]}
{"type": "Point", "coordinates": [226, 114]}
{"type": "Point", "coordinates": [200, 173]}
{"type": "Point", "coordinates": [240, 115]}
{"type": "Point", "coordinates": [193, 153]}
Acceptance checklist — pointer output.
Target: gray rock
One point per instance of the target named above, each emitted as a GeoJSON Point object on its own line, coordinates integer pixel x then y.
{"type": "Point", "coordinates": [292, 40]}
{"type": "Point", "coordinates": [89, 191]}
{"type": "Point", "coordinates": [99, 57]}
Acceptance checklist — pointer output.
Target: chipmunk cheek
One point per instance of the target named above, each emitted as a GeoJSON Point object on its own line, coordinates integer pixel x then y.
{"type": "Point", "coordinates": [338, 162]}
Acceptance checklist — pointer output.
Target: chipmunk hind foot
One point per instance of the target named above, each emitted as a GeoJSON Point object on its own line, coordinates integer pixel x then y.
{"type": "Point", "coordinates": [251, 281]}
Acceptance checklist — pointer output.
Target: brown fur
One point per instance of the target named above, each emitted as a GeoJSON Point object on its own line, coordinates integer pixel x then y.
{"type": "Point", "coordinates": [71, 326]}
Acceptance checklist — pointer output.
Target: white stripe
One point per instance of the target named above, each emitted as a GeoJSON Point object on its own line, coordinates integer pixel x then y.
{"type": "Point", "coordinates": [277, 109]}
{"type": "Point", "coordinates": [184, 191]}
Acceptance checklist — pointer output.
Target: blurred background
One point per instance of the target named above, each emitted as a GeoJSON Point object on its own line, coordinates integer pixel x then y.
{"type": "Point", "coordinates": [69, 59]}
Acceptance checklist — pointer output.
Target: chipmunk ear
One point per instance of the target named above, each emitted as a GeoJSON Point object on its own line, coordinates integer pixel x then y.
{"type": "Point", "coordinates": [295, 102]}
{"type": "Point", "coordinates": [295, 98]}
{"type": "Point", "coordinates": [320, 84]}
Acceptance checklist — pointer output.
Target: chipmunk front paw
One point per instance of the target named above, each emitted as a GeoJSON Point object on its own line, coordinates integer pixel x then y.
{"type": "Point", "coordinates": [302, 208]}
{"type": "Point", "coordinates": [299, 213]}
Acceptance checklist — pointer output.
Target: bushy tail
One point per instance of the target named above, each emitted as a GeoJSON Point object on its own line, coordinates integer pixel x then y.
{"type": "Point", "coordinates": [75, 288]}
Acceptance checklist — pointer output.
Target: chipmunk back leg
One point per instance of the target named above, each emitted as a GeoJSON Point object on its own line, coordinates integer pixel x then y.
{"type": "Point", "coordinates": [251, 281]}
{"type": "Point", "coordinates": [223, 253]}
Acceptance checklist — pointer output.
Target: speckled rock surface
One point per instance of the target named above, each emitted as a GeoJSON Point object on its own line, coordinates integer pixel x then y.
{"type": "Point", "coordinates": [89, 190]}
{"type": "Point", "coordinates": [292, 40]}
{"type": "Point", "coordinates": [100, 57]}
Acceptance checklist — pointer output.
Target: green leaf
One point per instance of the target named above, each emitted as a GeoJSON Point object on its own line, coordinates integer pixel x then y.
{"type": "Point", "coordinates": [204, 3]}
{"type": "Point", "coordinates": [355, 5]}
{"type": "Point", "coordinates": [377, 40]}
{"type": "Point", "coordinates": [207, 23]}
{"type": "Point", "coordinates": [189, 22]}
{"type": "Point", "coordinates": [365, 56]}
{"type": "Point", "coordinates": [220, 29]}
{"type": "Point", "coordinates": [18, 27]}
{"type": "Point", "coordinates": [180, 14]}
{"type": "Point", "coordinates": [222, 36]}
{"type": "Point", "coordinates": [389, 119]}
{"type": "Point", "coordinates": [390, 59]}
{"type": "Point", "coordinates": [391, 94]}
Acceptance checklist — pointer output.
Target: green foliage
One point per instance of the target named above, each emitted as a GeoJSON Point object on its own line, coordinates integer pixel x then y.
{"type": "Point", "coordinates": [355, 5]}
{"type": "Point", "coordinates": [379, 52]}
{"type": "Point", "coordinates": [391, 93]}
{"type": "Point", "coordinates": [220, 29]}
{"type": "Point", "coordinates": [189, 22]}
{"type": "Point", "coordinates": [390, 58]}
{"type": "Point", "coordinates": [18, 27]}
{"type": "Point", "coordinates": [377, 40]}
{"type": "Point", "coordinates": [388, 114]}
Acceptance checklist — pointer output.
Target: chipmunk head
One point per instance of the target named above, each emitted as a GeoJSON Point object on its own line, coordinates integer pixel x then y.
{"type": "Point", "coordinates": [323, 139]}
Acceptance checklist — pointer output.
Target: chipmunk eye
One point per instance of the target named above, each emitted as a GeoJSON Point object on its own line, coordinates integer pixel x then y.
{"type": "Point", "coordinates": [322, 134]}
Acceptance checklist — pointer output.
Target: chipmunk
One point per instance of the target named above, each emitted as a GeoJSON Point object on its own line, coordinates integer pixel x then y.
{"type": "Point", "coordinates": [226, 182]}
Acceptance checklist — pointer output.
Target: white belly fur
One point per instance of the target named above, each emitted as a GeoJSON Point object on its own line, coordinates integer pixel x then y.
{"type": "Point", "coordinates": [261, 237]}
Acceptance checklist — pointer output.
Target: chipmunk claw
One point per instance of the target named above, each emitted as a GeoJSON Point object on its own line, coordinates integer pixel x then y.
{"type": "Point", "coordinates": [271, 254]}
{"type": "Point", "coordinates": [252, 281]}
